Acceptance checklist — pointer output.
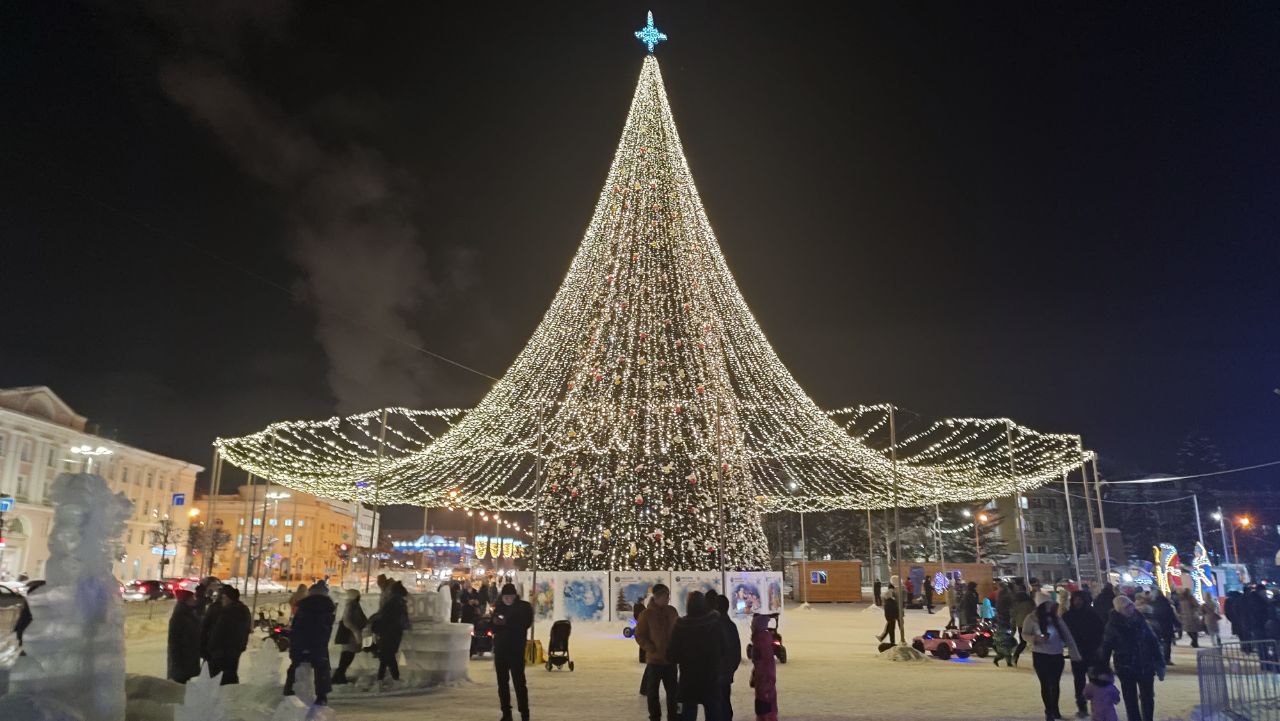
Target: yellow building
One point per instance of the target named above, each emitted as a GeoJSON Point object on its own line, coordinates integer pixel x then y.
{"type": "Point", "coordinates": [302, 534]}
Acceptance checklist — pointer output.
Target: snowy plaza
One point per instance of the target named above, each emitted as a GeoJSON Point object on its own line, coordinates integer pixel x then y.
{"type": "Point", "coordinates": [832, 673]}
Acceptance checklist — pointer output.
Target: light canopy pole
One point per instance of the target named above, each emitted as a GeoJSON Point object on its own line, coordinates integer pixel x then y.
{"type": "Point", "coordinates": [1071, 526]}
{"type": "Point", "coordinates": [1088, 507]}
{"type": "Point", "coordinates": [1017, 504]}
{"type": "Point", "coordinates": [1102, 520]}
{"type": "Point", "coordinates": [900, 592]}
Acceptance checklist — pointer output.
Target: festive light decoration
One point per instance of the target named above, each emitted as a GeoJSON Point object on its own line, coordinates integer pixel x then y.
{"type": "Point", "coordinates": [940, 583]}
{"type": "Point", "coordinates": [650, 35]}
{"type": "Point", "coordinates": [1202, 573]}
{"type": "Point", "coordinates": [1166, 566]}
{"type": "Point", "coordinates": [653, 400]}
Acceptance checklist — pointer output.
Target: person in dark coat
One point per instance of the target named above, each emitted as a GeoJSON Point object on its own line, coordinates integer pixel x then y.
{"type": "Point", "coordinates": [209, 605]}
{"type": "Point", "coordinates": [969, 606]}
{"type": "Point", "coordinates": [1103, 603]}
{"type": "Point", "coordinates": [455, 598]}
{"type": "Point", "coordinates": [876, 591]}
{"type": "Point", "coordinates": [1004, 606]}
{"type": "Point", "coordinates": [1023, 606]}
{"type": "Point", "coordinates": [25, 618]}
{"type": "Point", "coordinates": [309, 640]}
{"type": "Point", "coordinates": [928, 595]}
{"type": "Point", "coordinates": [512, 618]}
{"type": "Point", "coordinates": [229, 635]}
{"type": "Point", "coordinates": [1132, 649]}
{"type": "Point", "coordinates": [1254, 613]}
{"type": "Point", "coordinates": [653, 634]}
{"type": "Point", "coordinates": [470, 599]}
{"type": "Point", "coordinates": [1232, 610]}
{"type": "Point", "coordinates": [697, 648]}
{"type": "Point", "coordinates": [890, 601]}
{"type": "Point", "coordinates": [389, 625]}
{"type": "Point", "coordinates": [184, 638]}
{"type": "Point", "coordinates": [730, 652]}
{"type": "Point", "coordinates": [1086, 628]}
{"type": "Point", "coordinates": [1165, 621]}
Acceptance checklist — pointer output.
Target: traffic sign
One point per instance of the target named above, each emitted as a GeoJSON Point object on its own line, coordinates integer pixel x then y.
{"type": "Point", "coordinates": [6, 504]}
{"type": "Point", "coordinates": [179, 499]}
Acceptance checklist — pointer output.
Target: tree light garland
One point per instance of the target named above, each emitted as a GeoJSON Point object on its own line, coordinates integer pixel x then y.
{"type": "Point", "coordinates": [652, 398]}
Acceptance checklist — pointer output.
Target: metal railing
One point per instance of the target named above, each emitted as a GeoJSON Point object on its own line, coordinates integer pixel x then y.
{"type": "Point", "coordinates": [1240, 680]}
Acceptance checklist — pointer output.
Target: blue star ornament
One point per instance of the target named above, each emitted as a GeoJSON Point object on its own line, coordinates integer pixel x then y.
{"type": "Point", "coordinates": [649, 35]}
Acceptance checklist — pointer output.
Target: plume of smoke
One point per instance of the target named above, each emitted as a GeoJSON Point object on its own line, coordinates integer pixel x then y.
{"type": "Point", "coordinates": [365, 272]}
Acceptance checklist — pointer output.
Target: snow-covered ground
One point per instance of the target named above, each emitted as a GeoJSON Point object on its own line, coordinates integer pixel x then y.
{"type": "Point", "coordinates": [832, 673]}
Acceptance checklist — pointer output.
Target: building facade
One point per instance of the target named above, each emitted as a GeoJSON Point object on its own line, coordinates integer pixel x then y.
{"type": "Point", "coordinates": [1048, 536]}
{"type": "Point", "coordinates": [37, 432]}
{"type": "Point", "coordinates": [303, 536]}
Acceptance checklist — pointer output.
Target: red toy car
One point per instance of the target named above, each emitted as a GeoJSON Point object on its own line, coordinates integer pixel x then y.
{"type": "Point", "coordinates": [943, 644]}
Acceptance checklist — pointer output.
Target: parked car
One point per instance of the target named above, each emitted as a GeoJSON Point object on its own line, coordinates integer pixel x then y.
{"type": "Point", "coordinates": [145, 590]}
{"type": "Point", "coordinates": [943, 644]}
{"type": "Point", "coordinates": [9, 597]}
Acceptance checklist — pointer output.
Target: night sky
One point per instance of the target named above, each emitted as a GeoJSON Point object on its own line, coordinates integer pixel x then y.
{"type": "Point", "coordinates": [219, 217]}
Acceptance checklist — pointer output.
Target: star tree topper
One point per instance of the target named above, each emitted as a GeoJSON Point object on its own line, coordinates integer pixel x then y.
{"type": "Point", "coordinates": [650, 35]}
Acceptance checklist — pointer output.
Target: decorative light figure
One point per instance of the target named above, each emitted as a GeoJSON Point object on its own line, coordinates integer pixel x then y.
{"type": "Point", "coordinates": [940, 583]}
{"type": "Point", "coordinates": [649, 35]}
{"type": "Point", "coordinates": [1166, 565]}
{"type": "Point", "coordinates": [1201, 573]}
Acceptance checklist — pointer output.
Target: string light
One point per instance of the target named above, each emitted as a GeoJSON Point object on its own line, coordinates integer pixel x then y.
{"type": "Point", "coordinates": [648, 391]}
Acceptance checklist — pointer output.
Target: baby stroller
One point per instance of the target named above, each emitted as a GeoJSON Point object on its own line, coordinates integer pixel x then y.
{"type": "Point", "coordinates": [558, 647]}
{"type": "Point", "coordinates": [482, 636]}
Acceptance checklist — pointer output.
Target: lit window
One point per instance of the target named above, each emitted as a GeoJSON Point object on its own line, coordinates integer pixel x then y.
{"type": "Point", "coordinates": [271, 522]}
{"type": "Point", "coordinates": [288, 522]}
{"type": "Point", "coordinates": [242, 521]}
{"type": "Point", "coordinates": [257, 521]}
{"type": "Point", "coordinates": [288, 538]}
{"type": "Point", "coordinates": [299, 523]}
{"type": "Point", "coordinates": [239, 539]}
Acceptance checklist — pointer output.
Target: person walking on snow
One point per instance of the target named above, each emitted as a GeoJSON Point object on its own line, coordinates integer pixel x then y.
{"type": "Point", "coordinates": [969, 606]}
{"type": "Point", "coordinates": [389, 624]}
{"type": "Point", "coordinates": [512, 618]}
{"type": "Point", "coordinates": [350, 635]}
{"type": "Point", "coordinates": [1210, 619]}
{"type": "Point", "coordinates": [731, 652]}
{"type": "Point", "coordinates": [1189, 616]}
{"type": "Point", "coordinates": [1086, 628]}
{"type": "Point", "coordinates": [309, 640]}
{"type": "Point", "coordinates": [763, 671]}
{"type": "Point", "coordinates": [229, 636]}
{"type": "Point", "coordinates": [1132, 649]}
{"type": "Point", "coordinates": [1102, 694]}
{"type": "Point", "coordinates": [653, 634]}
{"type": "Point", "coordinates": [696, 648]}
{"type": "Point", "coordinates": [890, 598]}
{"type": "Point", "coordinates": [184, 638]}
{"type": "Point", "coordinates": [1049, 638]}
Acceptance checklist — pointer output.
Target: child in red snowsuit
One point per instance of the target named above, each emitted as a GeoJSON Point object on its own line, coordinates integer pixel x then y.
{"type": "Point", "coordinates": [763, 674]}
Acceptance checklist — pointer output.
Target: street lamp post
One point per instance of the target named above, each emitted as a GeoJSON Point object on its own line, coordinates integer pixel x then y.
{"type": "Point", "coordinates": [1222, 530]}
{"type": "Point", "coordinates": [1243, 522]}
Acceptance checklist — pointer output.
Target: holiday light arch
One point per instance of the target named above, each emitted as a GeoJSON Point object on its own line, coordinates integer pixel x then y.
{"type": "Point", "coordinates": [648, 420]}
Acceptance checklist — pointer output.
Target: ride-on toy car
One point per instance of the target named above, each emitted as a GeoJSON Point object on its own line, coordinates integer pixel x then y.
{"type": "Point", "coordinates": [981, 637]}
{"type": "Point", "coordinates": [629, 630]}
{"type": "Point", "coordinates": [779, 651]}
{"type": "Point", "coordinates": [943, 644]}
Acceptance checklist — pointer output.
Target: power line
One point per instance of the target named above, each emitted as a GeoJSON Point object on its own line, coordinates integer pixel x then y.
{"type": "Point", "coordinates": [1145, 481]}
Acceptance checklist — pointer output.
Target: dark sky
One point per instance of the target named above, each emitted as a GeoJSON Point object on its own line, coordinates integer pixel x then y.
{"type": "Point", "coordinates": [216, 218]}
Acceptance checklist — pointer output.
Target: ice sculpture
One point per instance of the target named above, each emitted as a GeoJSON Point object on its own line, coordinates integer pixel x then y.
{"type": "Point", "coordinates": [204, 700]}
{"type": "Point", "coordinates": [77, 632]}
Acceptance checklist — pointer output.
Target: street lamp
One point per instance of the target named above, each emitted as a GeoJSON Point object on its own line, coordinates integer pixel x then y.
{"type": "Point", "coordinates": [1243, 522]}
{"type": "Point", "coordinates": [89, 453]}
{"type": "Point", "coordinates": [977, 540]}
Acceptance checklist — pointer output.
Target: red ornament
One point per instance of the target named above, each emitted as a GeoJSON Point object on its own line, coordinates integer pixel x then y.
{"type": "Point", "coordinates": [700, 390]}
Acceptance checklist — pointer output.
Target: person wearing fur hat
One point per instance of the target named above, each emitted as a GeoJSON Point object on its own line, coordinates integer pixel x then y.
{"type": "Point", "coordinates": [512, 618]}
{"type": "Point", "coordinates": [309, 640]}
{"type": "Point", "coordinates": [350, 635]}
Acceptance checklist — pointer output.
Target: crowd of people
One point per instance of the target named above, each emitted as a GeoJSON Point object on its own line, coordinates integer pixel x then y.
{"type": "Point", "coordinates": [692, 659]}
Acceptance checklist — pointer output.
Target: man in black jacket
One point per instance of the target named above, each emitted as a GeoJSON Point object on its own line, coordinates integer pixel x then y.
{"type": "Point", "coordinates": [512, 618]}
{"type": "Point", "coordinates": [184, 637]}
{"type": "Point", "coordinates": [730, 652]}
{"type": "Point", "coordinates": [1086, 628]}
{"type": "Point", "coordinates": [309, 640]}
{"type": "Point", "coordinates": [696, 647]}
{"type": "Point", "coordinates": [229, 636]}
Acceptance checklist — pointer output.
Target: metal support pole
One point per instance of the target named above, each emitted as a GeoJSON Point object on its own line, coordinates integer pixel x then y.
{"type": "Point", "coordinates": [871, 550]}
{"type": "Point", "coordinates": [1195, 501]}
{"type": "Point", "coordinates": [804, 562]}
{"type": "Point", "coordinates": [422, 553]}
{"type": "Point", "coordinates": [897, 531]}
{"type": "Point", "coordinates": [1071, 525]}
{"type": "Point", "coordinates": [256, 561]}
{"type": "Point", "coordinates": [377, 497]}
{"type": "Point", "coordinates": [720, 519]}
{"type": "Point", "coordinates": [537, 521]}
{"type": "Point", "coordinates": [1017, 504]}
{"type": "Point", "coordinates": [1223, 530]}
{"type": "Point", "coordinates": [1102, 519]}
{"type": "Point", "coordinates": [250, 511]}
{"type": "Point", "coordinates": [1088, 507]}
{"type": "Point", "coordinates": [215, 485]}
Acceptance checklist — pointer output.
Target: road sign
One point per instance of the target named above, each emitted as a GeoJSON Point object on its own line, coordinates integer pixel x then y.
{"type": "Point", "coordinates": [156, 551]}
{"type": "Point", "coordinates": [6, 504]}
{"type": "Point", "coordinates": [179, 499]}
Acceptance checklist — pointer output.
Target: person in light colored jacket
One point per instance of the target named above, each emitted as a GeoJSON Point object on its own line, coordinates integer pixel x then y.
{"type": "Point", "coordinates": [1049, 637]}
